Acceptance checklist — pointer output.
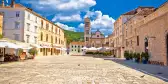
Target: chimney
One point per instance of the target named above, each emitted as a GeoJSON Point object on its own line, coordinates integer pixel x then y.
{"type": "Point", "coordinates": [13, 4]}
{"type": "Point", "coordinates": [3, 4]}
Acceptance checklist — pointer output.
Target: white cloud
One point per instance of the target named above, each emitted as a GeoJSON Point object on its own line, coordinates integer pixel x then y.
{"type": "Point", "coordinates": [71, 18]}
{"type": "Point", "coordinates": [66, 27]}
{"type": "Point", "coordinates": [67, 8]}
{"type": "Point", "coordinates": [76, 5]}
{"type": "Point", "coordinates": [102, 22]}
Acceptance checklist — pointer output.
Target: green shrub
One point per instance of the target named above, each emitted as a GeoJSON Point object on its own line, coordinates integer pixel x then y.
{"type": "Point", "coordinates": [20, 51]}
{"type": "Point", "coordinates": [89, 53]}
{"type": "Point", "coordinates": [145, 55]}
{"type": "Point", "coordinates": [33, 51]}
{"type": "Point", "coordinates": [134, 55]}
{"type": "Point", "coordinates": [131, 55]}
{"type": "Point", "coordinates": [126, 55]}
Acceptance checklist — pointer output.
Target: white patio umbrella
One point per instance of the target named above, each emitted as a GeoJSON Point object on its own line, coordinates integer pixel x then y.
{"type": "Point", "coordinates": [99, 48]}
{"type": "Point", "coordinates": [102, 49]}
{"type": "Point", "coordinates": [92, 48]}
{"type": "Point", "coordinates": [107, 48]}
{"type": "Point", "coordinates": [27, 48]}
{"type": "Point", "coordinates": [58, 48]}
{"type": "Point", "coordinates": [63, 49]}
{"type": "Point", "coordinates": [84, 48]}
{"type": "Point", "coordinates": [10, 45]}
{"type": "Point", "coordinates": [2, 46]}
{"type": "Point", "coordinates": [36, 46]}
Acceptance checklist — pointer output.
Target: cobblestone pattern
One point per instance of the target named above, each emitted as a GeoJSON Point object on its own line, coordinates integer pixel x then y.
{"type": "Point", "coordinates": [72, 70]}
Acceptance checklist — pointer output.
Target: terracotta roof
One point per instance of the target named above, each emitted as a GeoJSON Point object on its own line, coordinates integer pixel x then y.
{"type": "Point", "coordinates": [146, 12]}
{"type": "Point", "coordinates": [77, 43]}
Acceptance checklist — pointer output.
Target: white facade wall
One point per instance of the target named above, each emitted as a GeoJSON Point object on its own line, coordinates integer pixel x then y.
{"type": "Point", "coordinates": [10, 18]}
{"type": "Point", "coordinates": [76, 48]}
{"type": "Point", "coordinates": [10, 31]}
{"type": "Point", "coordinates": [35, 24]}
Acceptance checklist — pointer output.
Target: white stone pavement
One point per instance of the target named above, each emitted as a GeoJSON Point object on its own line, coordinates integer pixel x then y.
{"type": "Point", "coordinates": [72, 70]}
{"type": "Point", "coordinates": [154, 70]}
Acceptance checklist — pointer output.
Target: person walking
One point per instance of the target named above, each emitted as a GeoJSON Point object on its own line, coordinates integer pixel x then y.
{"type": "Point", "coordinates": [67, 51]}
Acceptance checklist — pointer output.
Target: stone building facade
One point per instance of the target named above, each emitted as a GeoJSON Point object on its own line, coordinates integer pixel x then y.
{"type": "Point", "coordinates": [87, 32]}
{"type": "Point", "coordinates": [119, 34]}
{"type": "Point", "coordinates": [97, 39]}
{"type": "Point", "coordinates": [130, 32]}
{"type": "Point", "coordinates": [152, 35]}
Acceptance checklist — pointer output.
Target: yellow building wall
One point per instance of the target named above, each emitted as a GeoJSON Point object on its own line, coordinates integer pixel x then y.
{"type": "Point", "coordinates": [1, 23]}
{"type": "Point", "coordinates": [55, 40]}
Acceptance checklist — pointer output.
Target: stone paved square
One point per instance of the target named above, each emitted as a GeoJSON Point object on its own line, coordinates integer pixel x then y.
{"type": "Point", "coordinates": [72, 70]}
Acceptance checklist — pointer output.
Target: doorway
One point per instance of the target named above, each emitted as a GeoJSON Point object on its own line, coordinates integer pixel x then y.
{"type": "Point", "coordinates": [51, 51]}
{"type": "Point", "coordinates": [43, 51]}
{"type": "Point", "coordinates": [167, 48]}
{"type": "Point", "coordinates": [146, 44]}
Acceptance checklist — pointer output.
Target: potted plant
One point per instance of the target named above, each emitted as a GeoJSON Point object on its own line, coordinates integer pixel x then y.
{"type": "Point", "coordinates": [145, 57]}
{"type": "Point", "coordinates": [131, 55]}
{"type": "Point", "coordinates": [33, 52]}
{"type": "Point", "coordinates": [137, 57]}
{"type": "Point", "coordinates": [20, 52]}
{"type": "Point", "coordinates": [134, 56]}
{"type": "Point", "coordinates": [126, 55]}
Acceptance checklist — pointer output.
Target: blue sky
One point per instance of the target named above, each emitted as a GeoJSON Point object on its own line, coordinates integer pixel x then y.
{"type": "Point", "coordinates": [70, 14]}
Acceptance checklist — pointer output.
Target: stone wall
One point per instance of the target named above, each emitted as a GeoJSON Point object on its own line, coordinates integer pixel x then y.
{"type": "Point", "coordinates": [155, 27]}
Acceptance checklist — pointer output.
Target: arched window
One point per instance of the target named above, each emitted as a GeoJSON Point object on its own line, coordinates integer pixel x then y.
{"type": "Point", "coordinates": [41, 36]}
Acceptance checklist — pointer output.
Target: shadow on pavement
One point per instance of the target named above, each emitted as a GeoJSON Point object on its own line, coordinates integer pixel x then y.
{"type": "Point", "coordinates": [160, 72]}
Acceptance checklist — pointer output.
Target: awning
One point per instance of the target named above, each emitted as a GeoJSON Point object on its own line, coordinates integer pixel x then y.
{"type": "Point", "coordinates": [46, 47]}
{"type": "Point", "coordinates": [9, 45]}
{"type": "Point", "coordinates": [36, 46]}
{"type": "Point", "coordinates": [92, 48]}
